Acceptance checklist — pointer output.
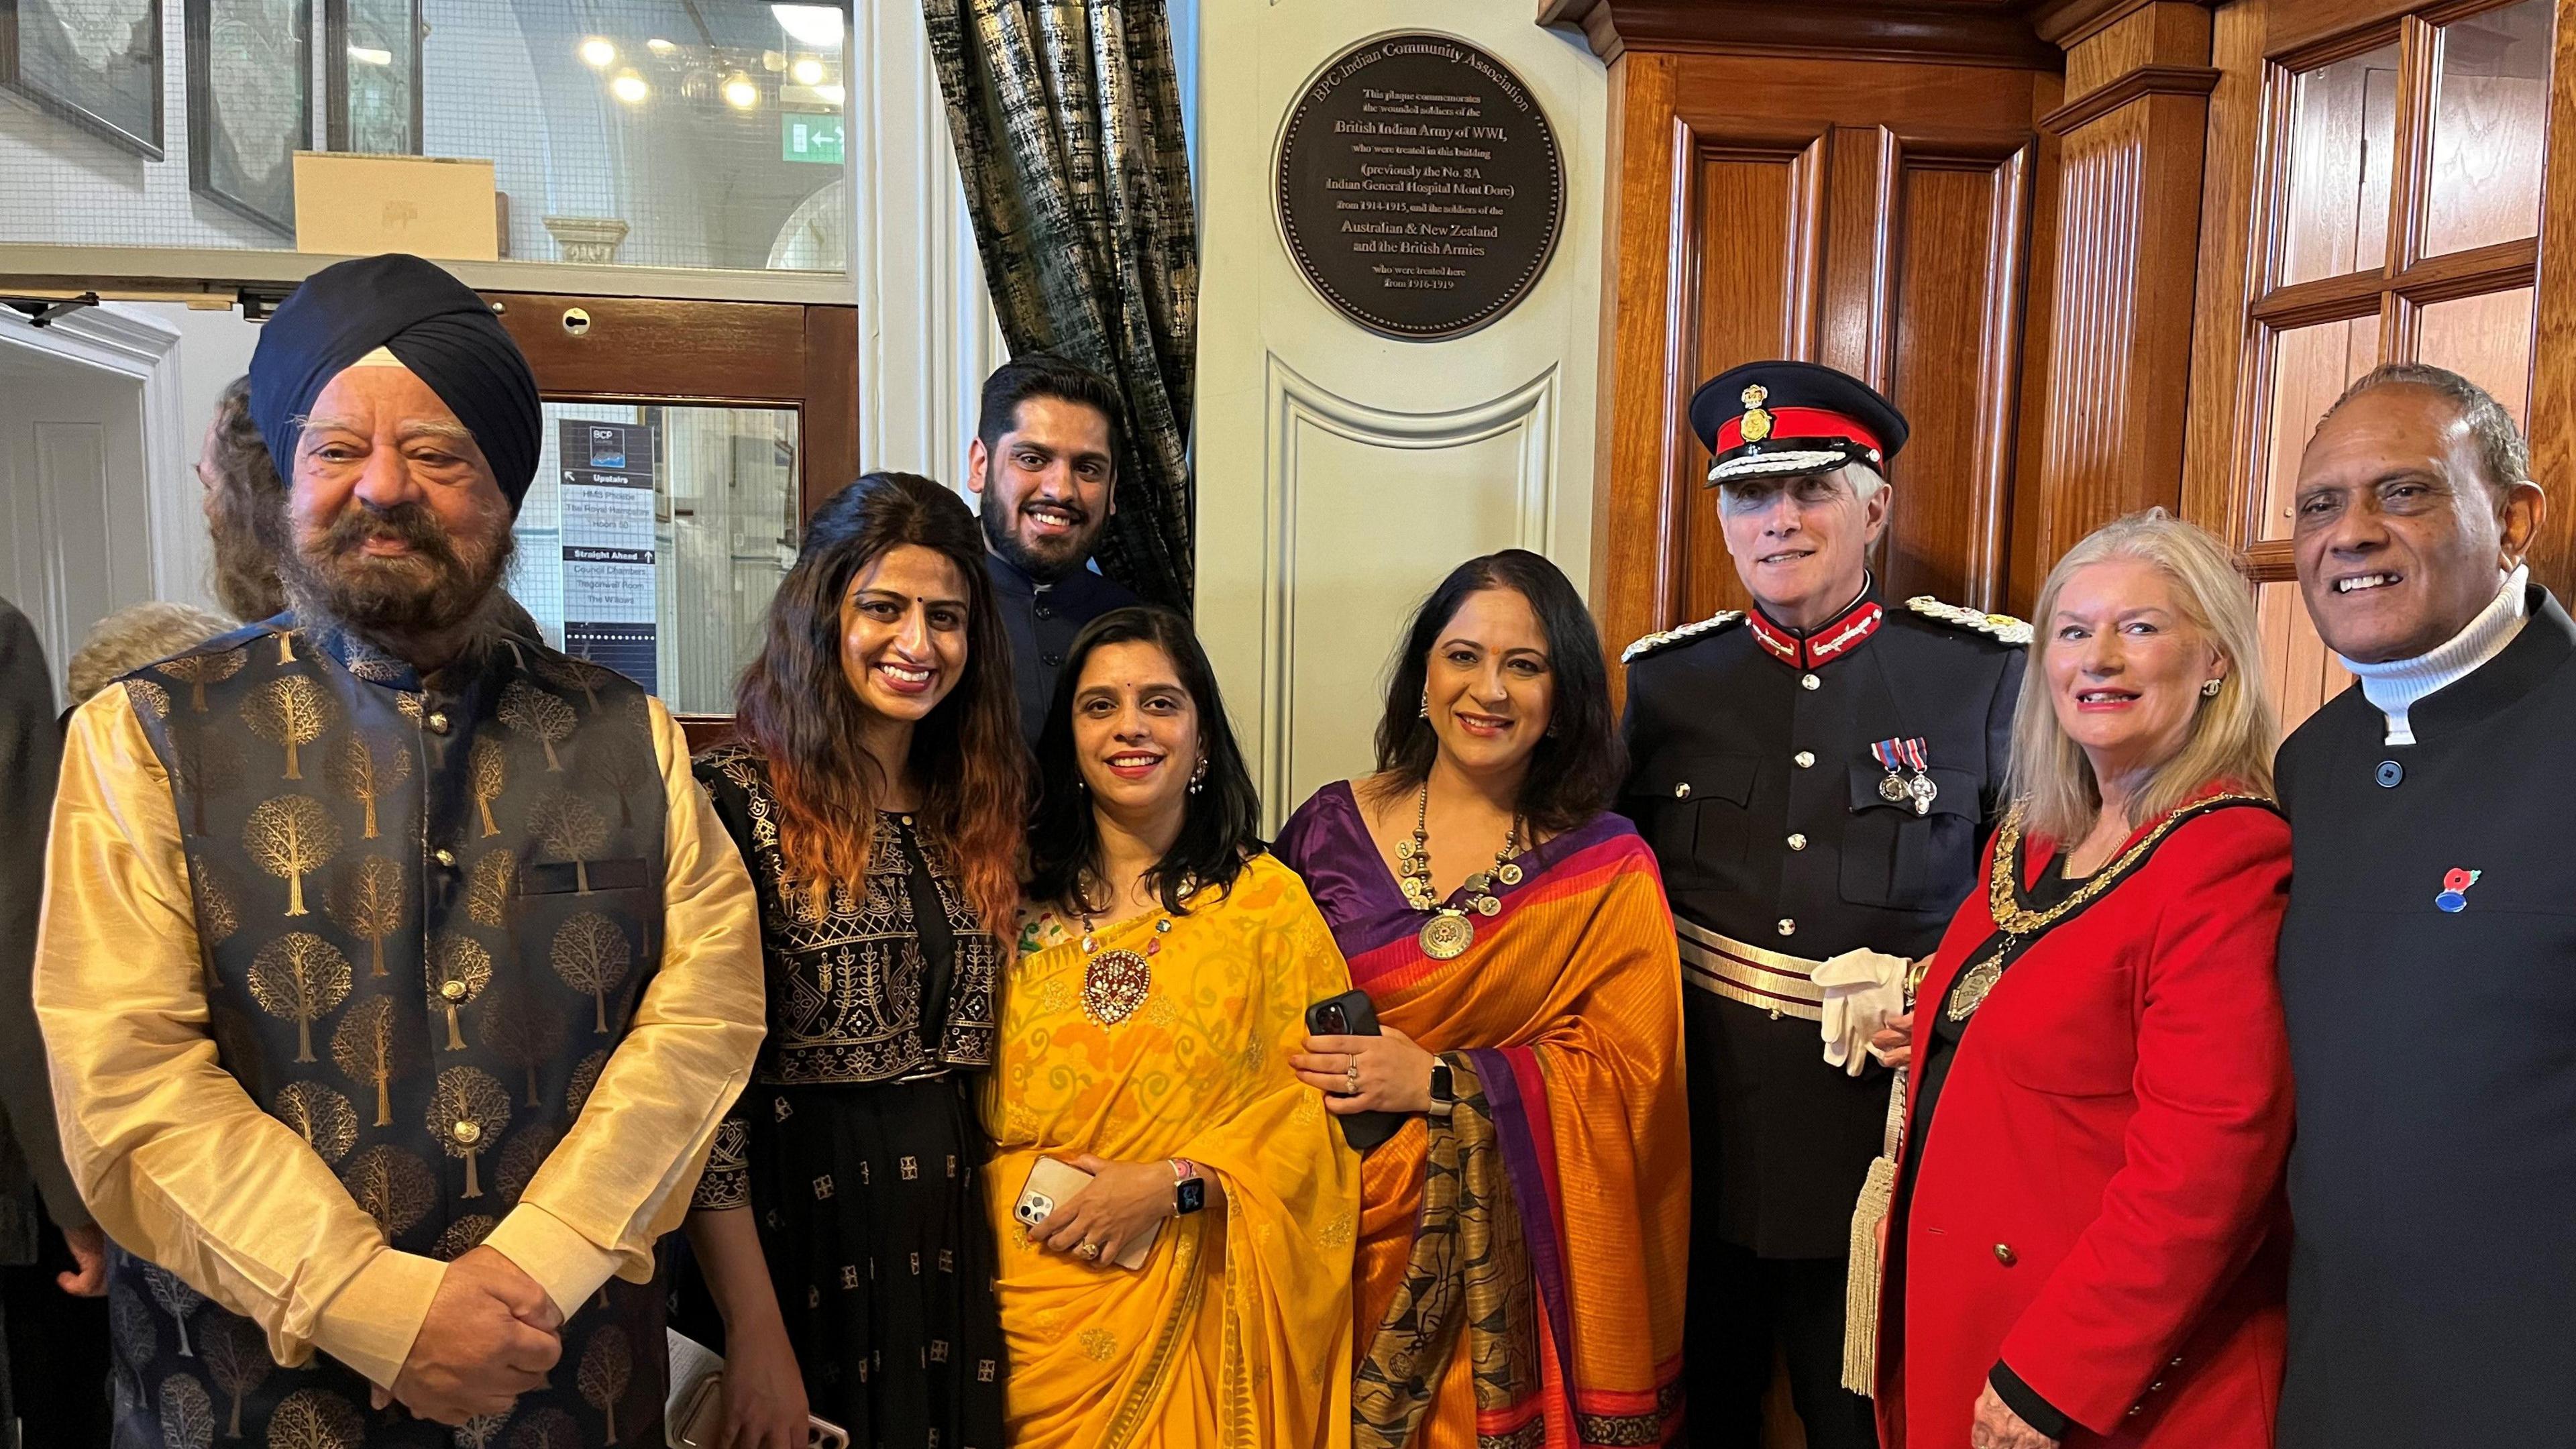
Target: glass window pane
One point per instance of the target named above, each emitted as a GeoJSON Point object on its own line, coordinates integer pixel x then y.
{"type": "Point", "coordinates": [2486, 340]}
{"type": "Point", "coordinates": [2343, 134]}
{"type": "Point", "coordinates": [654, 538]}
{"type": "Point", "coordinates": [2311, 366]}
{"type": "Point", "coordinates": [2490, 116]}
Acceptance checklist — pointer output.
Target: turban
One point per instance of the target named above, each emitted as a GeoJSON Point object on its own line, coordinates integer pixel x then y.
{"type": "Point", "coordinates": [432, 323]}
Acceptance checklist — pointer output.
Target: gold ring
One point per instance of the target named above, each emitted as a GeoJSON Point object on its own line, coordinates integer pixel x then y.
{"type": "Point", "coordinates": [1088, 1251]}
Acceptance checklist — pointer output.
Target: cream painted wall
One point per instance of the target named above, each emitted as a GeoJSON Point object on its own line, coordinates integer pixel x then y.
{"type": "Point", "coordinates": [1341, 474]}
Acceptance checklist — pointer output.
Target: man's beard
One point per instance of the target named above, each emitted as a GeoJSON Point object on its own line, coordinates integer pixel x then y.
{"type": "Point", "coordinates": [431, 590]}
{"type": "Point", "coordinates": [1046, 563]}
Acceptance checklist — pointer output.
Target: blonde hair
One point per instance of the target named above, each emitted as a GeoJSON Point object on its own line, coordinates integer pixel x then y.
{"type": "Point", "coordinates": [2232, 735]}
{"type": "Point", "coordinates": [133, 637]}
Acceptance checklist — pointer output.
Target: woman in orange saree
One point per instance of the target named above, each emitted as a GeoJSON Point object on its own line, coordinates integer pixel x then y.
{"type": "Point", "coordinates": [1523, 1235]}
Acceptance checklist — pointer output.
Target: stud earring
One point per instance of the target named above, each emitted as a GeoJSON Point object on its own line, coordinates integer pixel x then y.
{"type": "Point", "coordinates": [2209, 687]}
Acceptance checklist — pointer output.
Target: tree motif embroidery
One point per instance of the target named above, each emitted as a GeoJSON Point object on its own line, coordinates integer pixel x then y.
{"type": "Point", "coordinates": [197, 671]}
{"type": "Point", "coordinates": [394, 1187]}
{"type": "Point", "coordinates": [542, 716]}
{"type": "Point", "coordinates": [606, 1364]}
{"type": "Point", "coordinates": [211, 763]}
{"type": "Point", "coordinates": [547, 1428]}
{"type": "Point", "coordinates": [328, 1122]}
{"type": "Point", "coordinates": [585, 1076]}
{"type": "Point", "coordinates": [148, 698]}
{"type": "Point", "coordinates": [565, 672]}
{"type": "Point", "coordinates": [487, 764]}
{"type": "Point", "coordinates": [367, 774]}
{"type": "Point", "coordinates": [590, 954]}
{"type": "Point", "coordinates": [466, 1113]}
{"type": "Point", "coordinates": [568, 829]}
{"type": "Point", "coordinates": [463, 1236]}
{"type": "Point", "coordinates": [367, 901]}
{"type": "Point", "coordinates": [130, 1324]}
{"type": "Point", "coordinates": [176, 1299]}
{"type": "Point", "coordinates": [459, 969]}
{"type": "Point", "coordinates": [520, 1160]}
{"type": "Point", "coordinates": [187, 1413]}
{"type": "Point", "coordinates": [523, 1029]}
{"type": "Point", "coordinates": [489, 887]}
{"type": "Point", "coordinates": [289, 713]}
{"type": "Point", "coordinates": [291, 836]}
{"type": "Point", "coordinates": [482, 1432]}
{"type": "Point", "coordinates": [315, 1418]}
{"type": "Point", "coordinates": [299, 977]}
{"type": "Point", "coordinates": [236, 1356]}
{"type": "Point", "coordinates": [216, 918]}
{"type": "Point", "coordinates": [621, 772]}
{"type": "Point", "coordinates": [371, 1049]}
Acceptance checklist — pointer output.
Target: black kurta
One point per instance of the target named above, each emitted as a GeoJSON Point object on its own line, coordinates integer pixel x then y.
{"type": "Point", "coordinates": [2433, 1184]}
{"type": "Point", "coordinates": [1042, 619]}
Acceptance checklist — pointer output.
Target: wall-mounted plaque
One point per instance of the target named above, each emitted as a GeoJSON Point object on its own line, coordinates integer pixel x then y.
{"type": "Point", "coordinates": [1420, 187]}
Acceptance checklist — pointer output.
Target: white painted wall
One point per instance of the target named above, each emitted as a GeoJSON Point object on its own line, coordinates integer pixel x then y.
{"type": "Point", "coordinates": [1342, 474]}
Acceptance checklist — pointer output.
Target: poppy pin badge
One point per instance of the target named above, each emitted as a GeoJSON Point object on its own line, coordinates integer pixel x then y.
{"type": "Point", "coordinates": [2455, 890]}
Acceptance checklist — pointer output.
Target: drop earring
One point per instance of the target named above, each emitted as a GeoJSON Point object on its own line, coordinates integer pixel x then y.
{"type": "Point", "coordinates": [1425, 711]}
{"type": "Point", "coordinates": [1198, 776]}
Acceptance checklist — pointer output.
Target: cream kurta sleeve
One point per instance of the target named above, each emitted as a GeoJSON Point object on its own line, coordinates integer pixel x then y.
{"type": "Point", "coordinates": [622, 1176]}
{"type": "Point", "coordinates": [179, 1164]}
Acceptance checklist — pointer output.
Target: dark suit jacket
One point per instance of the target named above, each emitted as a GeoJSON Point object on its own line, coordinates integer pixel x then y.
{"type": "Point", "coordinates": [31, 754]}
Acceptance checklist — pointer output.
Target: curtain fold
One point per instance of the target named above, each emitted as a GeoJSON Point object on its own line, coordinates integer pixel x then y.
{"type": "Point", "coordinates": [1067, 121]}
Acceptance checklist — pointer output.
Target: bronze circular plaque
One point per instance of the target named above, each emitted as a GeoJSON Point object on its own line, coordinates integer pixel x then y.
{"type": "Point", "coordinates": [1420, 188]}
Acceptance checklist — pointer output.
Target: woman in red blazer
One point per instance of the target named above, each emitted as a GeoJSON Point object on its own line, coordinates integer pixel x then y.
{"type": "Point", "coordinates": [2087, 1238]}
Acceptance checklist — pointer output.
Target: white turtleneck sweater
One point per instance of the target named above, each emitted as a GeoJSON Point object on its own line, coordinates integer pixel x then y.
{"type": "Point", "coordinates": [2393, 687]}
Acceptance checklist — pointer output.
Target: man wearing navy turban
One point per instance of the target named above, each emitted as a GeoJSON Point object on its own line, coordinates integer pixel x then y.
{"type": "Point", "coordinates": [392, 1005]}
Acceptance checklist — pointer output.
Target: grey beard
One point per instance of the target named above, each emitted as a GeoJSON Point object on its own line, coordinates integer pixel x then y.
{"type": "Point", "coordinates": [462, 612]}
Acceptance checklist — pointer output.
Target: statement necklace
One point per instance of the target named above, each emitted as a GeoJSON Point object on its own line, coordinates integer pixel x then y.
{"type": "Point", "coordinates": [1450, 931]}
{"type": "Point", "coordinates": [1114, 983]}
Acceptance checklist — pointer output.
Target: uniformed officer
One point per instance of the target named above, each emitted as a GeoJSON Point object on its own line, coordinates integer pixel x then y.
{"type": "Point", "coordinates": [1816, 776]}
{"type": "Point", "coordinates": [1045, 459]}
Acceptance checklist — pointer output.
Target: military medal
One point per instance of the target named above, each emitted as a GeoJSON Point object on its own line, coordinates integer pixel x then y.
{"type": "Point", "coordinates": [1451, 930]}
{"type": "Point", "coordinates": [1891, 754]}
{"type": "Point", "coordinates": [1921, 788]}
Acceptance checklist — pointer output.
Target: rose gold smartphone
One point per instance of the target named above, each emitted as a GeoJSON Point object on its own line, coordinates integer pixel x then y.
{"type": "Point", "coordinates": [1052, 1182]}
{"type": "Point", "coordinates": [699, 1421]}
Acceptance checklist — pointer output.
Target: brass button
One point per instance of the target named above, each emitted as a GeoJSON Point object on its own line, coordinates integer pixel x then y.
{"type": "Point", "coordinates": [445, 857]}
{"type": "Point", "coordinates": [437, 722]}
{"type": "Point", "coordinates": [1797, 842]}
{"type": "Point", "coordinates": [1788, 927]}
{"type": "Point", "coordinates": [1804, 759]}
{"type": "Point", "coordinates": [1682, 790]}
{"type": "Point", "coordinates": [468, 1133]}
{"type": "Point", "coordinates": [2005, 1255]}
{"type": "Point", "coordinates": [452, 990]}
{"type": "Point", "coordinates": [1809, 681]}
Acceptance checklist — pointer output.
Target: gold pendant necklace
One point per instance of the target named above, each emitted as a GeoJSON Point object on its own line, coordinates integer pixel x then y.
{"type": "Point", "coordinates": [1450, 931]}
{"type": "Point", "coordinates": [1115, 983]}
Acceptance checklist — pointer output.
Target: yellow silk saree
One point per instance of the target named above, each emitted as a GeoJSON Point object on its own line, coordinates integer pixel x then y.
{"type": "Point", "coordinates": [1237, 1329]}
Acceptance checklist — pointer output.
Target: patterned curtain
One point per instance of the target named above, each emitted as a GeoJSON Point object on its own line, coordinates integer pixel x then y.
{"type": "Point", "coordinates": [1067, 119]}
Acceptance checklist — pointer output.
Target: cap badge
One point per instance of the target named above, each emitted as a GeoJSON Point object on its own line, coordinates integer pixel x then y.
{"type": "Point", "coordinates": [1757, 423]}
{"type": "Point", "coordinates": [2455, 890]}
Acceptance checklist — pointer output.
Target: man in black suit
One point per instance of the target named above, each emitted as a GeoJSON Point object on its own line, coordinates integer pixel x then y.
{"type": "Point", "coordinates": [1045, 459]}
{"type": "Point", "coordinates": [2428, 960]}
{"type": "Point", "coordinates": [1817, 777]}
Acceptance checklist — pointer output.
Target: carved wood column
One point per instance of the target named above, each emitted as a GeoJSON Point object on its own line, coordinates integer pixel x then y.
{"type": "Point", "coordinates": [2118, 340]}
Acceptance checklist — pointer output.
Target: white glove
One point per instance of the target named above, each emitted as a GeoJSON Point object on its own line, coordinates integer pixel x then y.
{"type": "Point", "coordinates": [1862, 990]}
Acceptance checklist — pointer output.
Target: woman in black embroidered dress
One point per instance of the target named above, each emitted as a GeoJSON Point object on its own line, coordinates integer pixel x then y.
{"type": "Point", "coordinates": [877, 793]}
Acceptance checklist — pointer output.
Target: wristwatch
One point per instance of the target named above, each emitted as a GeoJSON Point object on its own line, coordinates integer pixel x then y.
{"type": "Point", "coordinates": [1444, 1091]}
{"type": "Point", "coordinates": [1189, 1190]}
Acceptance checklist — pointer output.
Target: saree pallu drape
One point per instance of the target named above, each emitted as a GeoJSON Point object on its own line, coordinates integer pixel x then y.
{"type": "Point", "coordinates": [1521, 1265]}
{"type": "Point", "coordinates": [1236, 1332]}
{"type": "Point", "coordinates": [1067, 119]}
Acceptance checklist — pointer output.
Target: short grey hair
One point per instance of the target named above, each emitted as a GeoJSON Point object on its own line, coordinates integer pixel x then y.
{"type": "Point", "coordinates": [133, 637]}
{"type": "Point", "coordinates": [1866, 482]}
{"type": "Point", "coordinates": [2502, 454]}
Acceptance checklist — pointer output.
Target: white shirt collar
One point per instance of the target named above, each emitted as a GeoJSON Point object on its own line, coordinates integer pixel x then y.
{"type": "Point", "coordinates": [2394, 687]}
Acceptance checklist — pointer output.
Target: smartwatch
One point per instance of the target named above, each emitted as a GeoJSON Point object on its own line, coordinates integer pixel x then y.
{"type": "Point", "coordinates": [1189, 1190]}
{"type": "Point", "coordinates": [1444, 1090]}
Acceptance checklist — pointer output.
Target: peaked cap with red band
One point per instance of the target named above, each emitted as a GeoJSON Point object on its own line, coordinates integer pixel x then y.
{"type": "Point", "coordinates": [1774, 419]}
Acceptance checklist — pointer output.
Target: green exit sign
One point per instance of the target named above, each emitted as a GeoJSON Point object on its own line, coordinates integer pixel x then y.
{"type": "Point", "coordinates": [805, 136]}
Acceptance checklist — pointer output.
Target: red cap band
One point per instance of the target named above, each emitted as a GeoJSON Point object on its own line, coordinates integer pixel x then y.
{"type": "Point", "coordinates": [1797, 423]}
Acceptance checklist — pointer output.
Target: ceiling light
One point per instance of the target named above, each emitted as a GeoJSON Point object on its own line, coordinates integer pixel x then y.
{"type": "Point", "coordinates": [831, 95]}
{"type": "Point", "coordinates": [662, 49]}
{"type": "Point", "coordinates": [740, 93]}
{"type": "Point", "coordinates": [630, 88]}
{"type": "Point", "coordinates": [369, 55]}
{"type": "Point", "coordinates": [807, 71]}
{"type": "Point", "coordinates": [810, 24]}
{"type": "Point", "coordinates": [598, 54]}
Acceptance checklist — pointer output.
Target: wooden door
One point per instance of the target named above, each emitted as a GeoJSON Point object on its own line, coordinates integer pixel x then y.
{"type": "Point", "coordinates": [1873, 215]}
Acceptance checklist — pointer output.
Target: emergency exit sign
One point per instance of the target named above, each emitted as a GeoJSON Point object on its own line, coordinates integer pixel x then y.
{"type": "Point", "coordinates": [804, 136]}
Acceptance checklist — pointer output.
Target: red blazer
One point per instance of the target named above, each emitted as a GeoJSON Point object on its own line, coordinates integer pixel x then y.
{"type": "Point", "coordinates": [2099, 1204]}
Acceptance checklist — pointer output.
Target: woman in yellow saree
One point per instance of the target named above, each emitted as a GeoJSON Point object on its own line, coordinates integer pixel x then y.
{"type": "Point", "coordinates": [1524, 1235]}
{"type": "Point", "coordinates": [1164, 971]}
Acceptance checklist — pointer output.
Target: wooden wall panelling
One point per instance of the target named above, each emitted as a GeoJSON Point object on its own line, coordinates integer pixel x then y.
{"type": "Point", "coordinates": [2218, 450]}
{"type": "Point", "coordinates": [2553, 373]}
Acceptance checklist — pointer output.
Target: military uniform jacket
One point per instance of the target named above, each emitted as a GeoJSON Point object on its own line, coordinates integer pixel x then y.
{"type": "Point", "coordinates": [1751, 776]}
{"type": "Point", "coordinates": [2434, 1054]}
{"type": "Point", "coordinates": [428, 914]}
{"type": "Point", "coordinates": [1042, 620]}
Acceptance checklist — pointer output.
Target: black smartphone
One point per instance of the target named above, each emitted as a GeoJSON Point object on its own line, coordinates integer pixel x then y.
{"type": "Point", "coordinates": [1351, 1014]}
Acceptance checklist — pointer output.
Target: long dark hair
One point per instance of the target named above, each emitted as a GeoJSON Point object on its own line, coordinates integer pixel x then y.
{"type": "Point", "coordinates": [1579, 762]}
{"type": "Point", "coordinates": [1220, 825]}
{"type": "Point", "coordinates": [796, 704]}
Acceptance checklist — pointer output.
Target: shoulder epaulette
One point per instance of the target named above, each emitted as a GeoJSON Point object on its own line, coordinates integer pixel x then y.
{"type": "Point", "coordinates": [1686, 632]}
{"type": "Point", "coordinates": [1996, 626]}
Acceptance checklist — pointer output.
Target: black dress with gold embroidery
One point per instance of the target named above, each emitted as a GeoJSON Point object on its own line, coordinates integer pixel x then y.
{"type": "Point", "coordinates": [855, 1146]}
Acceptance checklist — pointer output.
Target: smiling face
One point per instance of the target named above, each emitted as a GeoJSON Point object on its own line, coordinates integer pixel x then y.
{"type": "Point", "coordinates": [396, 520]}
{"type": "Point", "coordinates": [2399, 536]}
{"type": "Point", "coordinates": [1136, 734]}
{"type": "Point", "coordinates": [1801, 544]}
{"type": "Point", "coordinates": [2125, 666]}
{"type": "Point", "coordinates": [1046, 486]}
{"type": "Point", "coordinates": [903, 632]}
{"type": "Point", "coordinates": [1489, 684]}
